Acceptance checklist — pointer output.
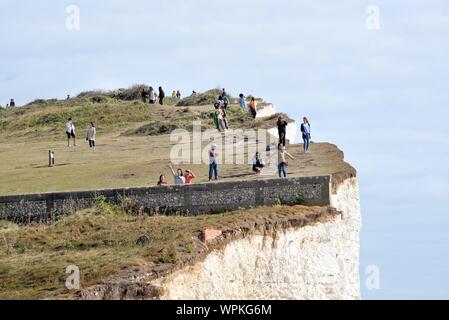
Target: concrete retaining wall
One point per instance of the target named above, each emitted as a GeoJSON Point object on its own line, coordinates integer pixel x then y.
{"type": "Point", "coordinates": [187, 199]}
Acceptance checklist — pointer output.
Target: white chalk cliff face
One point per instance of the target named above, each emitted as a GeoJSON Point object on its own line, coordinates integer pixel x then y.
{"type": "Point", "coordinates": [319, 261]}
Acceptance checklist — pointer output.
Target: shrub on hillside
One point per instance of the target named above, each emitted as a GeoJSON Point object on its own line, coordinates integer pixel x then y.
{"type": "Point", "coordinates": [92, 93]}
{"type": "Point", "coordinates": [132, 93]}
{"type": "Point", "coordinates": [200, 99]}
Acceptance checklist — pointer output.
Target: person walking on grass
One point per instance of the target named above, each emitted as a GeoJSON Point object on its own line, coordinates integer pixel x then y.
{"type": "Point", "coordinates": [162, 181]}
{"type": "Point", "coordinates": [178, 95]}
{"type": "Point", "coordinates": [151, 95]}
{"type": "Point", "coordinates": [305, 130]}
{"type": "Point", "coordinates": [161, 96]}
{"type": "Point", "coordinates": [70, 130]}
{"type": "Point", "coordinates": [213, 162]}
{"type": "Point", "coordinates": [173, 94]}
{"type": "Point", "coordinates": [282, 129]}
{"type": "Point", "coordinates": [189, 176]}
{"type": "Point", "coordinates": [91, 132]}
{"type": "Point", "coordinates": [178, 176]}
{"type": "Point", "coordinates": [242, 101]}
{"type": "Point", "coordinates": [252, 107]}
{"type": "Point", "coordinates": [282, 163]}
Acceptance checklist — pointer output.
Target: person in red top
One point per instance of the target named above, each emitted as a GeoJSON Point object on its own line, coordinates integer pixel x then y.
{"type": "Point", "coordinates": [189, 176]}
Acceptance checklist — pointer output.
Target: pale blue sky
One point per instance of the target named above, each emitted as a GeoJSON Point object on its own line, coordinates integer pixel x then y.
{"type": "Point", "coordinates": [382, 96]}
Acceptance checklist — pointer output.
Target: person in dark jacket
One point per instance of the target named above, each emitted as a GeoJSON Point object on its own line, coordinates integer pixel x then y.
{"type": "Point", "coordinates": [144, 94]}
{"type": "Point", "coordinates": [305, 130]}
{"type": "Point", "coordinates": [161, 96]}
{"type": "Point", "coordinates": [282, 129]}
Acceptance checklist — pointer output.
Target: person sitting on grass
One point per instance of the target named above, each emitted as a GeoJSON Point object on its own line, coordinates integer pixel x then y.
{"type": "Point", "coordinates": [258, 163]}
{"type": "Point", "coordinates": [178, 176]}
{"type": "Point", "coordinates": [189, 176]}
{"type": "Point", "coordinates": [70, 130]}
{"type": "Point", "coordinates": [162, 181]}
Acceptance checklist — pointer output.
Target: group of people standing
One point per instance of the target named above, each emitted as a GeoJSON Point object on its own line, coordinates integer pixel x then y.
{"type": "Point", "coordinates": [152, 96]}
{"type": "Point", "coordinates": [90, 135]}
{"type": "Point", "coordinates": [176, 94]}
{"type": "Point", "coordinates": [221, 103]}
{"type": "Point", "coordinates": [252, 105]}
{"type": "Point", "coordinates": [221, 123]}
{"type": "Point", "coordinates": [282, 133]}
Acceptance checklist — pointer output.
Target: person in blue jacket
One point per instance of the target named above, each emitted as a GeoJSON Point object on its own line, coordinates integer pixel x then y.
{"type": "Point", "coordinates": [305, 130]}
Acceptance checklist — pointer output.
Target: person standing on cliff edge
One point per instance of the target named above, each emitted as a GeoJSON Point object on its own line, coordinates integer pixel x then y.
{"type": "Point", "coordinates": [213, 162]}
{"type": "Point", "coordinates": [305, 130]}
{"type": "Point", "coordinates": [282, 129]}
{"type": "Point", "coordinates": [161, 96]}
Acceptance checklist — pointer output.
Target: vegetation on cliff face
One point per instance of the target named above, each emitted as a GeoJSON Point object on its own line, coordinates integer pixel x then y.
{"type": "Point", "coordinates": [103, 243]}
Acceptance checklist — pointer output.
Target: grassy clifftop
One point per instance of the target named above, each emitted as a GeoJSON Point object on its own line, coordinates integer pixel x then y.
{"type": "Point", "coordinates": [118, 111]}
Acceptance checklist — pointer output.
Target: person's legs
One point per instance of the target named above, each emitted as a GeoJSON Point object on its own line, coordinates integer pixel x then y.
{"type": "Point", "coordinates": [210, 171]}
{"type": "Point", "coordinates": [279, 170]}
{"type": "Point", "coordinates": [307, 144]}
{"type": "Point", "coordinates": [216, 171]}
{"type": "Point", "coordinates": [282, 138]}
{"type": "Point", "coordinates": [283, 170]}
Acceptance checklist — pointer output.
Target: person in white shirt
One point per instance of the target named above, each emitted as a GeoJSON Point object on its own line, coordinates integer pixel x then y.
{"type": "Point", "coordinates": [70, 130]}
{"type": "Point", "coordinates": [151, 95]}
{"type": "Point", "coordinates": [91, 135]}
